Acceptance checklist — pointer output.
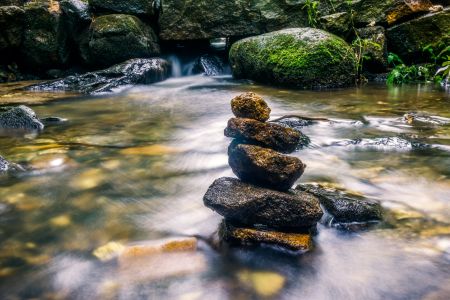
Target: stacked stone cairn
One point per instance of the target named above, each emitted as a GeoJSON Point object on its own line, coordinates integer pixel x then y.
{"type": "Point", "coordinates": [260, 207]}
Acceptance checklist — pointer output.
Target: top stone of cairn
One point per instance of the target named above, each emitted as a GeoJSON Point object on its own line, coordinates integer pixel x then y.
{"type": "Point", "coordinates": [251, 106]}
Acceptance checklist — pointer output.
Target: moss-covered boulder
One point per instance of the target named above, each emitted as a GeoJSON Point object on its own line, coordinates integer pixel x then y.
{"type": "Point", "coordinates": [132, 7]}
{"type": "Point", "coordinates": [45, 41]}
{"type": "Point", "coordinates": [296, 57]}
{"type": "Point", "coordinates": [408, 39]}
{"type": "Point", "coordinates": [115, 38]}
{"type": "Point", "coordinates": [11, 27]}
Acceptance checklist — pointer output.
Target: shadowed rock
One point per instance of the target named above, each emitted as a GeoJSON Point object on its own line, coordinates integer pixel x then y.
{"type": "Point", "coordinates": [133, 71]}
{"type": "Point", "coordinates": [344, 207]}
{"type": "Point", "coordinates": [20, 117]}
{"type": "Point", "coordinates": [246, 204]}
{"type": "Point", "coordinates": [265, 167]}
{"type": "Point", "coordinates": [250, 106]}
{"type": "Point", "coordinates": [250, 236]}
{"type": "Point", "coordinates": [269, 135]}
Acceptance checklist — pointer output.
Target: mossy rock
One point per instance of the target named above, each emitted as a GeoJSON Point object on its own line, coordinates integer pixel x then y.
{"type": "Point", "coordinates": [115, 38]}
{"type": "Point", "coordinates": [132, 7]}
{"type": "Point", "coordinates": [296, 57]}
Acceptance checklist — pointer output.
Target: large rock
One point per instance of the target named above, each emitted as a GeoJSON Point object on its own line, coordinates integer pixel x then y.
{"type": "Point", "coordinates": [408, 39]}
{"type": "Point", "coordinates": [264, 167]}
{"type": "Point", "coordinates": [134, 71]}
{"type": "Point", "coordinates": [374, 48]}
{"type": "Point", "coordinates": [76, 14]}
{"type": "Point", "coordinates": [115, 38]}
{"type": "Point", "coordinates": [131, 7]}
{"type": "Point", "coordinates": [11, 27]}
{"type": "Point", "coordinates": [268, 135]}
{"type": "Point", "coordinates": [45, 41]}
{"type": "Point", "coordinates": [250, 236]}
{"type": "Point", "coordinates": [250, 106]}
{"type": "Point", "coordinates": [343, 206]}
{"type": "Point", "coordinates": [200, 19]}
{"type": "Point", "coordinates": [246, 204]}
{"type": "Point", "coordinates": [22, 118]}
{"type": "Point", "coordinates": [295, 57]}
{"type": "Point", "coordinates": [404, 9]}
{"type": "Point", "coordinates": [337, 23]}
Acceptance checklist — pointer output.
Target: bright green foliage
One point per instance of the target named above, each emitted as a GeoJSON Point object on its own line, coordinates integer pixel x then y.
{"type": "Point", "coordinates": [312, 8]}
{"type": "Point", "coordinates": [409, 74]}
{"type": "Point", "coordinates": [361, 47]}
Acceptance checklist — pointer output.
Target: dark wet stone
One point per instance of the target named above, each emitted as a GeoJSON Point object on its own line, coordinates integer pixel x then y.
{"type": "Point", "coordinates": [264, 167]}
{"type": "Point", "coordinates": [250, 106]}
{"type": "Point", "coordinates": [53, 120]}
{"type": "Point", "coordinates": [295, 123]}
{"type": "Point", "coordinates": [343, 206]}
{"type": "Point", "coordinates": [115, 38]}
{"type": "Point", "coordinates": [268, 135]}
{"type": "Point", "coordinates": [210, 65]}
{"type": "Point", "coordinates": [375, 51]}
{"type": "Point", "coordinates": [250, 236]}
{"type": "Point", "coordinates": [76, 14]}
{"type": "Point", "coordinates": [4, 165]}
{"type": "Point", "coordinates": [132, 7]}
{"type": "Point", "coordinates": [134, 71]}
{"type": "Point", "coordinates": [20, 117]}
{"type": "Point", "coordinates": [246, 204]}
{"type": "Point", "coordinates": [11, 27]}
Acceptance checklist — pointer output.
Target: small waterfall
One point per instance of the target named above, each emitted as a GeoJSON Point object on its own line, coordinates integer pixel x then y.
{"type": "Point", "coordinates": [176, 65]}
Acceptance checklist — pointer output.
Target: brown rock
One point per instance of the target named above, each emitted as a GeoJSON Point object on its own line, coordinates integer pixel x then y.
{"type": "Point", "coordinates": [251, 106]}
{"type": "Point", "coordinates": [407, 8]}
{"type": "Point", "coordinates": [250, 236]}
{"type": "Point", "coordinates": [267, 135]}
{"type": "Point", "coordinates": [264, 167]}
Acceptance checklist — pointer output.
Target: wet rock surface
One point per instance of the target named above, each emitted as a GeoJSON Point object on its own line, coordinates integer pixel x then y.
{"type": "Point", "coordinates": [383, 144]}
{"type": "Point", "coordinates": [210, 65]}
{"type": "Point", "coordinates": [21, 118]}
{"type": "Point", "coordinates": [4, 165]}
{"type": "Point", "coordinates": [148, 8]}
{"type": "Point", "coordinates": [246, 204]}
{"type": "Point", "coordinates": [343, 206]}
{"type": "Point", "coordinates": [252, 236]}
{"type": "Point", "coordinates": [115, 38]}
{"type": "Point", "coordinates": [268, 135]}
{"type": "Point", "coordinates": [11, 27]}
{"type": "Point", "coordinates": [264, 167]}
{"type": "Point", "coordinates": [250, 106]}
{"type": "Point", "coordinates": [295, 57]}
{"type": "Point", "coordinates": [134, 71]}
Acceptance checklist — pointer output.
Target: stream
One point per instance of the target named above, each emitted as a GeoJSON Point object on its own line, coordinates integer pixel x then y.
{"type": "Point", "coordinates": [134, 166]}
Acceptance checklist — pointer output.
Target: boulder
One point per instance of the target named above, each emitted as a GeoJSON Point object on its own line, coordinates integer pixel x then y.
{"type": "Point", "coordinates": [147, 8]}
{"type": "Point", "coordinates": [268, 135]}
{"type": "Point", "coordinates": [375, 48]}
{"type": "Point", "coordinates": [133, 71]}
{"type": "Point", "coordinates": [345, 207]}
{"type": "Point", "coordinates": [115, 38]}
{"type": "Point", "coordinates": [45, 41]}
{"type": "Point", "coordinates": [295, 57]}
{"type": "Point", "coordinates": [371, 12]}
{"type": "Point", "coordinates": [4, 165]}
{"type": "Point", "coordinates": [22, 118]}
{"type": "Point", "coordinates": [250, 236]}
{"type": "Point", "coordinates": [337, 23]}
{"type": "Point", "coordinates": [264, 167]}
{"type": "Point", "coordinates": [11, 27]}
{"type": "Point", "coordinates": [246, 204]}
{"type": "Point", "coordinates": [404, 9]}
{"type": "Point", "coordinates": [408, 39]}
{"type": "Point", "coordinates": [250, 106]}
{"type": "Point", "coordinates": [192, 20]}
{"type": "Point", "coordinates": [76, 14]}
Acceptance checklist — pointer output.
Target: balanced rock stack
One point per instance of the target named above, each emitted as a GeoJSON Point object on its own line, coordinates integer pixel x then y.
{"type": "Point", "coordinates": [260, 206]}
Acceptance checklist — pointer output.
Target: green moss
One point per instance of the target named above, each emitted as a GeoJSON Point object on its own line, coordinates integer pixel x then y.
{"type": "Point", "coordinates": [116, 23]}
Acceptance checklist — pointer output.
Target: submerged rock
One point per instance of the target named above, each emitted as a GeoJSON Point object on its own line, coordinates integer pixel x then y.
{"type": "Point", "coordinates": [210, 65]}
{"type": "Point", "coordinates": [264, 167]}
{"type": "Point", "coordinates": [115, 38]}
{"type": "Point", "coordinates": [343, 206]}
{"type": "Point", "coordinates": [268, 135]}
{"type": "Point", "coordinates": [133, 71]}
{"type": "Point", "coordinates": [250, 106]}
{"type": "Point", "coordinates": [20, 117]}
{"type": "Point", "coordinates": [295, 57]}
{"type": "Point", "coordinates": [246, 204]}
{"type": "Point", "coordinates": [250, 236]}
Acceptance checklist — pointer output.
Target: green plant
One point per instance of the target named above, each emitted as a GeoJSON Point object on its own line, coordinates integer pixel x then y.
{"type": "Point", "coordinates": [362, 47]}
{"type": "Point", "coordinates": [394, 60]}
{"type": "Point", "coordinates": [443, 73]}
{"type": "Point", "coordinates": [312, 8]}
{"type": "Point", "coordinates": [408, 74]}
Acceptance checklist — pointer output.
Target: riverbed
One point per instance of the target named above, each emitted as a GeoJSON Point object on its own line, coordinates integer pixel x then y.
{"type": "Point", "coordinates": [134, 165]}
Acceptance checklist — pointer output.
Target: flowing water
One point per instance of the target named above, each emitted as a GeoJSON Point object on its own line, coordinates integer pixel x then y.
{"type": "Point", "coordinates": [134, 166]}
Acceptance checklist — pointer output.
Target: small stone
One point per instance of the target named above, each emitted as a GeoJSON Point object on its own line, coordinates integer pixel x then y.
{"type": "Point", "coordinates": [264, 283]}
{"type": "Point", "coordinates": [108, 251]}
{"type": "Point", "coordinates": [251, 106]}
{"type": "Point", "coordinates": [249, 236]}
{"type": "Point", "coordinates": [246, 204]}
{"type": "Point", "coordinates": [268, 135]}
{"type": "Point", "coordinates": [343, 206]}
{"type": "Point", "coordinates": [264, 167]}
{"type": "Point", "coordinates": [20, 117]}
